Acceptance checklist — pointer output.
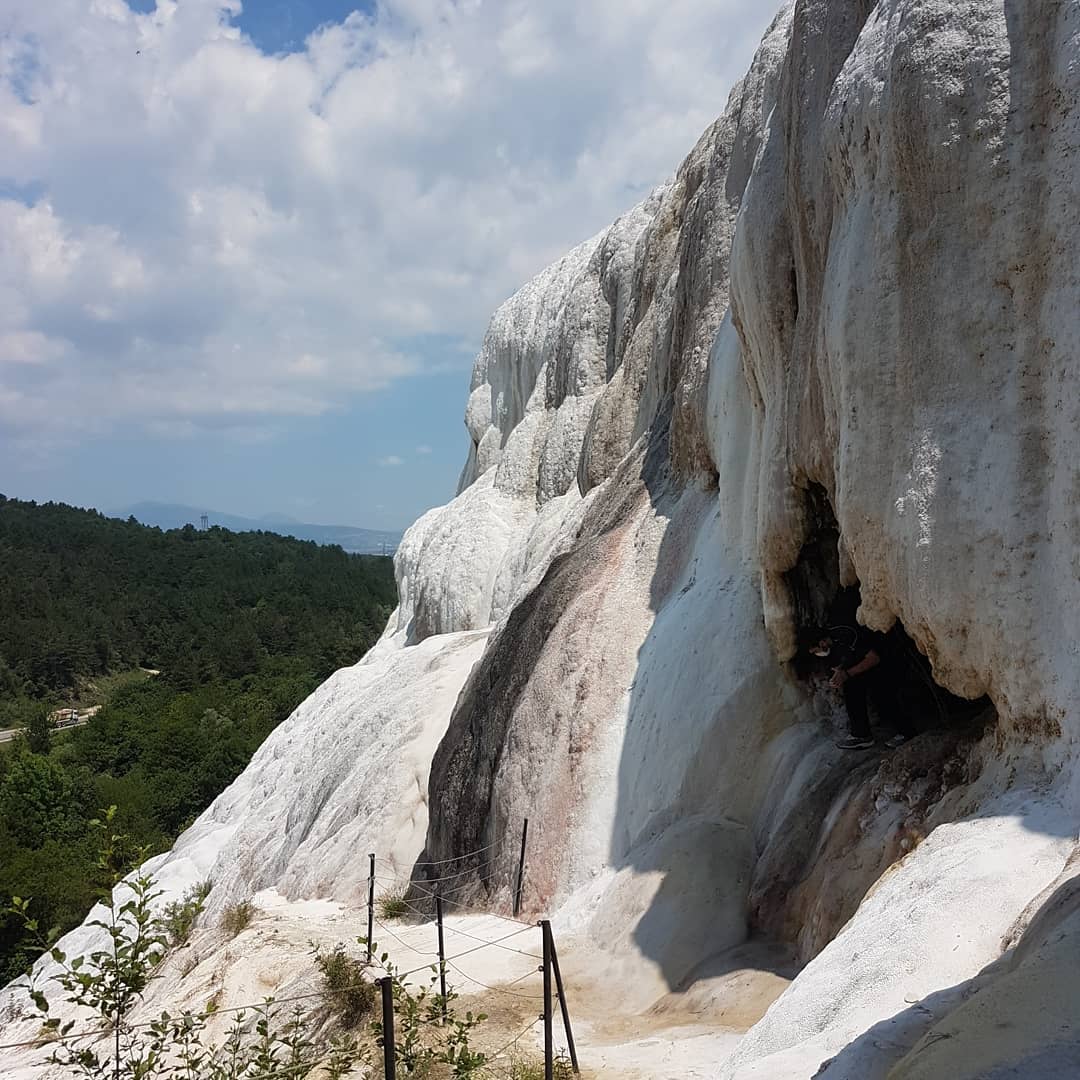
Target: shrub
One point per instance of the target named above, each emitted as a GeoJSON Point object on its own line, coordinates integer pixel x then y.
{"type": "Point", "coordinates": [529, 1069]}
{"type": "Point", "coordinates": [393, 906]}
{"type": "Point", "coordinates": [346, 986]}
{"type": "Point", "coordinates": [430, 1034]}
{"type": "Point", "coordinates": [179, 916]}
{"type": "Point", "coordinates": [236, 917]}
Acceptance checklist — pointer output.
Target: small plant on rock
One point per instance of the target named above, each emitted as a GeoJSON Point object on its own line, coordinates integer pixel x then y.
{"type": "Point", "coordinates": [236, 917]}
{"type": "Point", "coordinates": [179, 916]}
{"type": "Point", "coordinates": [529, 1069]}
{"type": "Point", "coordinates": [392, 906]}
{"type": "Point", "coordinates": [346, 985]}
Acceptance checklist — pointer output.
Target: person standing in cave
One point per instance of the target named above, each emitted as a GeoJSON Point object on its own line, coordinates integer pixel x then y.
{"type": "Point", "coordinates": [860, 663]}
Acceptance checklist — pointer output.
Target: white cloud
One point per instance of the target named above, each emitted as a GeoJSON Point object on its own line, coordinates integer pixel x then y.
{"type": "Point", "coordinates": [423, 450]}
{"type": "Point", "coordinates": [390, 461]}
{"type": "Point", "coordinates": [205, 235]}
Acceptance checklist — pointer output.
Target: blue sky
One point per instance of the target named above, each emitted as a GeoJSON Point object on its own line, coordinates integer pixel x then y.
{"type": "Point", "coordinates": [248, 253]}
{"type": "Point", "coordinates": [282, 25]}
{"type": "Point", "coordinates": [278, 26]}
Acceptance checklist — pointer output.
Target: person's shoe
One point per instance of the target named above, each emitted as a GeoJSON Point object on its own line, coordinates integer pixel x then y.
{"type": "Point", "coordinates": [853, 742]}
{"type": "Point", "coordinates": [897, 740]}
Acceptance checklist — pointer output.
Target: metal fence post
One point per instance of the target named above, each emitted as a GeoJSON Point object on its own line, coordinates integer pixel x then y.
{"type": "Point", "coordinates": [389, 1056]}
{"type": "Point", "coordinates": [442, 948]}
{"type": "Point", "coordinates": [562, 1003]}
{"type": "Point", "coordinates": [370, 905]}
{"type": "Point", "coordinates": [549, 1046]}
{"type": "Point", "coordinates": [521, 868]}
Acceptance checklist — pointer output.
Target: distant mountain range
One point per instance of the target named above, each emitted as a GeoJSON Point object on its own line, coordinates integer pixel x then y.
{"type": "Point", "coordinates": [175, 516]}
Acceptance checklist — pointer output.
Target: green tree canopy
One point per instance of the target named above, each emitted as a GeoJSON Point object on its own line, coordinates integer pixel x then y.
{"type": "Point", "coordinates": [39, 800]}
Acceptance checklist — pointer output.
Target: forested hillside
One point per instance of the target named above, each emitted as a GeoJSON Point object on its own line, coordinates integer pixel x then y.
{"type": "Point", "coordinates": [241, 627]}
{"type": "Point", "coordinates": [83, 594]}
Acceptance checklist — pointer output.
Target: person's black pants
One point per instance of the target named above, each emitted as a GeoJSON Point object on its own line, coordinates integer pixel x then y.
{"type": "Point", "coordinates": [873, 687]}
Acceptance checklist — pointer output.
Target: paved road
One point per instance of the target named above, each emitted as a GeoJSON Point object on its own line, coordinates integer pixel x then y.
{"type": "Point", "coordinates": [11, 733]}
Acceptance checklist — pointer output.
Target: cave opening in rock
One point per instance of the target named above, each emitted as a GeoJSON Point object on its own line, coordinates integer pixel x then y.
{"type": "Point", "coordinates": [820, 600]}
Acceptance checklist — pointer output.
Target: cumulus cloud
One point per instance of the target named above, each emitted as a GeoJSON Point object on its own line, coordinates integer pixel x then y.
{"type": "Point", "coordinates": [391, 461]}
{"type": "Point", "coordinates": [423, 450]}
{"type": "Point", "coordinates": [194, 234]}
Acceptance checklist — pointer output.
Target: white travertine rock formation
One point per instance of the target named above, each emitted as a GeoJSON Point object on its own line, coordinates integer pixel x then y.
{"type": "Point", "coordinates": [861, 283]}
{"type": "Point", "coordinates": [904, 279]}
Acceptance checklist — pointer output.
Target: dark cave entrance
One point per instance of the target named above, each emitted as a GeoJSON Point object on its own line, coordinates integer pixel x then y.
{"type": "Point", "coordinates": [820, 600]}
{"type": "Point", "coordinates": [814, 869]}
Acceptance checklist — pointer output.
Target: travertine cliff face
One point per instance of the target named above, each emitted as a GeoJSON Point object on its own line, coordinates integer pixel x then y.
{"type": "Point", "coordinates": [905, 288]}
{"type": "Point", "coordinates": [862, 284]}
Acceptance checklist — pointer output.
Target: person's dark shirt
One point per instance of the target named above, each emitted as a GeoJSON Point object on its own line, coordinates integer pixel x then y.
{"type": "Point", "coordinates": [850, 647]}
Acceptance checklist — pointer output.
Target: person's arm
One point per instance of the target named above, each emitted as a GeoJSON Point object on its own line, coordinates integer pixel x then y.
{"type": "Point", "coordinates": [841, 676]}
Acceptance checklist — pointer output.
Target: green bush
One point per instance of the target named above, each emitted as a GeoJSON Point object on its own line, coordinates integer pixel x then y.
{"type": "Point", "coordinates": [431, 1038]}
{"type": "Point", "coordinates": [530, 1069]}
{"type": "Point", "coordinates": [346, 985]}
{"type": "Point", "coordinates": [236, 917]}
{"type": "Point", "coordinates": [392, 906]}
{"type": "Point", "coordinates": [179, 916]}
